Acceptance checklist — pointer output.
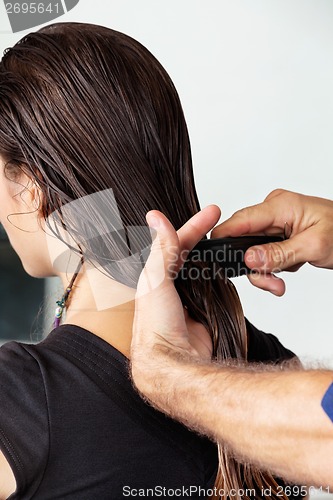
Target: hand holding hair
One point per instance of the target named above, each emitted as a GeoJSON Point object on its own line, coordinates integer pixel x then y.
{"type": "Point", "coordinates": [157, 301]}
{"type": "Point", "coordinates": [306, 221]}
{"type": "Point", "coordinates": [172, 369]}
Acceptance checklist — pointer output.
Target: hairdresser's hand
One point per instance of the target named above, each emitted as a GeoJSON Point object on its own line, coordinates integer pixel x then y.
{"type": "Point", "coordinates": [309, 221]}
{"type": "Point", "coordinates": [162, 329]}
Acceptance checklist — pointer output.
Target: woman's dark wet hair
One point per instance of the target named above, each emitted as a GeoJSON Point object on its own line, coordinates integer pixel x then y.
{"type": "Point", "coordinates": [84, 109]}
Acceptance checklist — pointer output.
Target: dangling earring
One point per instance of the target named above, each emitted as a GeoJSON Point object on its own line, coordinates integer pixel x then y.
{"type": "Point", "coordinates": [61, 304]}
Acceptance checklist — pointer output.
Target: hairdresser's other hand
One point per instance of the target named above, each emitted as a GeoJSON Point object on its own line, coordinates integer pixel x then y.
{"type": "Point", "coordinates": [161, 324]}
{"type": "Point", "coordinates": [308, 219]}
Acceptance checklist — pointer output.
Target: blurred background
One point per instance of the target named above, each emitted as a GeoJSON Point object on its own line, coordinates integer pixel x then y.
{"type": "Point", "coordinates": [255, 78]}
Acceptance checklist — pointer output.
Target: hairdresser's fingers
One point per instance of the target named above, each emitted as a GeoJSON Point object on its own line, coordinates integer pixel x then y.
{"type": "Point", "coordinates": [256, 219]}
{"type": "Point", "coordinates": [170, 248]}
{"type": "Point", "coordinates": [159, 315]}
{"type": "Point", "coordinates": [161, 265]}
{"type": "Point", "coordinates": [160, 328]}
{"type": "Point", "coordinates": [308, 219]}
{"type": "Point", "coordinates": [286, 255]}
{"type": "Point", "coordinates": [196, 228]}
{"type": "Point", "coordinates": [268, 282]}
{"type": "Point", "coordinates": [269, 217]}
{"type": "Point", "coordinates": [173, 247]}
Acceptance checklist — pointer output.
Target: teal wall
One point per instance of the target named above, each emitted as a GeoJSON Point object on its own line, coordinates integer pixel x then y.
{"type": "Point", "coordinates": [21, 298]}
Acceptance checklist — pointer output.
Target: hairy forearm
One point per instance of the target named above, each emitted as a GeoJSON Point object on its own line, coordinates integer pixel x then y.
{"type": "Point", "coordinates": [267, 415]}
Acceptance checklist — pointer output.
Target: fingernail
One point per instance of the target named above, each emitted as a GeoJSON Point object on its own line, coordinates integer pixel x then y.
{"type": "Point", "coordinates": [153, 221]}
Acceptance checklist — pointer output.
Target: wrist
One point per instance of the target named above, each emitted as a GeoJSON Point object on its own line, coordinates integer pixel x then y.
{"type": "Point", "coordinates": [163, 374]}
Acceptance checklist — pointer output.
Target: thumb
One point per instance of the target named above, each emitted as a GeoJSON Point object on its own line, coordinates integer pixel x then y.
{"type": "Point", "coordinates": [159, 313]}
{"type": "Point", "coordinates": [161, 265]}
{"type": "Point", "coordinates": [170, 248]}
{"type": "Point", "coordinates": [279, 256]}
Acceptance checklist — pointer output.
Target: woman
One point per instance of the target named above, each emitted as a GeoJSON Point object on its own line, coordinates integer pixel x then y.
{"type": "Point", "coordinates": [92, 136]}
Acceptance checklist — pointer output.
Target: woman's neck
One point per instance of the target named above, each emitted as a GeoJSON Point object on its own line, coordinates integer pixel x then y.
{"type": "Point", "coordinates": [103, 306]}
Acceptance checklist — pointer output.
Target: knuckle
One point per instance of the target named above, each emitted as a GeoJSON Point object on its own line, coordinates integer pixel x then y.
{"type": "Point", "coordinates": [295, 198]}
{"type": "Point", "coordinates": [275, 192]}
{"type": "Point", "coordinates": [289, 197]}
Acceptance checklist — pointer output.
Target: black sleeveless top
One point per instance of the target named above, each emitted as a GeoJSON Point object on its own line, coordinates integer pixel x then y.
{"type": "Point", "coordinates": [73, 427]}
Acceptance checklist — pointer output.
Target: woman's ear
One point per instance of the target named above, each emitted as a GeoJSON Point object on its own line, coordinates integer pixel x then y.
{"type": "Point", "coordinates": [28, 192]}
{"type": "Point", "coordinates": [25, 208]}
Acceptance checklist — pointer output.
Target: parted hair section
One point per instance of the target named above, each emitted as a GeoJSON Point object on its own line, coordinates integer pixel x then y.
{"type": "Point", "coordinates": [84, 109]}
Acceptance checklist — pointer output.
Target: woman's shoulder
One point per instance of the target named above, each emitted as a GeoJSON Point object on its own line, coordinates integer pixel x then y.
{"type": "Point", "coordinates": [265, 347]}
{"type": "Point", "coordinates": [24, 426]}
{"type": "Point", "coordinates": [16, 360]}
{"type": "Point", "coordinates": [21, 380]}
